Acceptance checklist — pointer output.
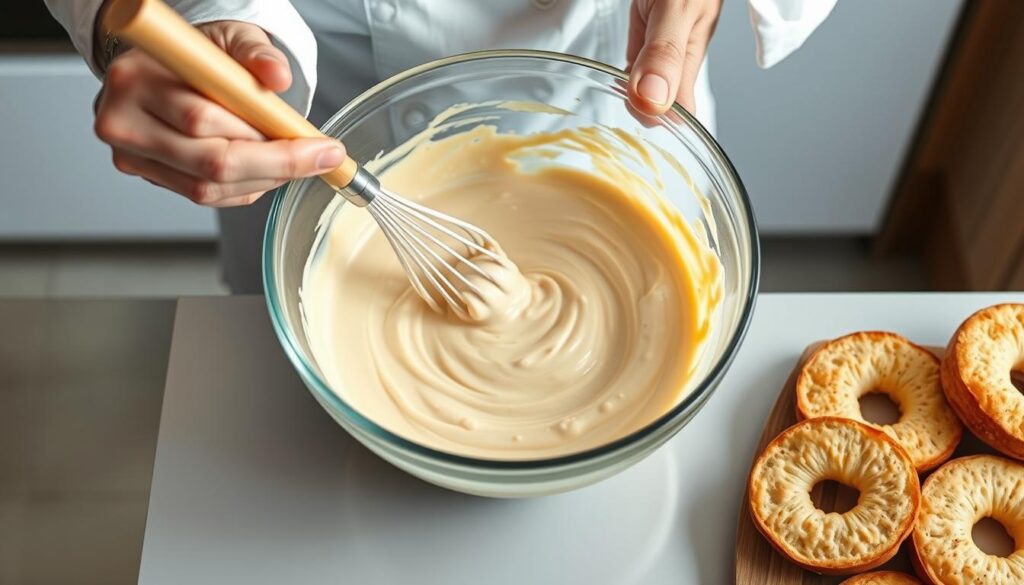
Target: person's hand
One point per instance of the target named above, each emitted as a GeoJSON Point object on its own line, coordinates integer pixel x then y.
{"type": "Point", "coordinates": [172, 136]}
{"type": "Point", "coordinates": [667, 43]}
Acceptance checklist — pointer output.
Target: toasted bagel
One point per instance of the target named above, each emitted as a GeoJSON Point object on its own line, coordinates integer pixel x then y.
{"type": "Point", "coordinates": [954, 498]}
{"type": "Point", "coordinates": [882, 578]}
{"type": "Point", "coordinates": [841, 371]}
{"type": "Point", "coordinates": [976, 378]}
{"type": "Point", "coordinates": [847, 451]}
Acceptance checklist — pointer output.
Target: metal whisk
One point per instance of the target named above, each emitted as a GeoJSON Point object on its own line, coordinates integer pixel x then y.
{"type": "Point", "coordinates": [431, 246]}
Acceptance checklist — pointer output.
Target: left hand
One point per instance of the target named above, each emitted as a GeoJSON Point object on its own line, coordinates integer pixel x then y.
{"type": "Point", "coordinates": [667, 43]}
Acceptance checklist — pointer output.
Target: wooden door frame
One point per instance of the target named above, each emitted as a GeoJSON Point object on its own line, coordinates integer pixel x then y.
{"type": "Point", "coordinates": [971, 134]}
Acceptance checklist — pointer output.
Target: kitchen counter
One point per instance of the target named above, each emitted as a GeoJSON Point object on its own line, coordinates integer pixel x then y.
{"type": "Point", "coordinates": [241, 492]}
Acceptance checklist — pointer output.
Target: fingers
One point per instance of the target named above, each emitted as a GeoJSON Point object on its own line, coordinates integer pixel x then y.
{"type": "Point", "coordinates": [165, 132]}
{"type": "Point", "coordinates": [136, 81]}
{"type": "Point", "coordinates": [223, 160]}
{"type": "Point", "coordinates": [637, 31]}
{"type": "Point", "coordinates": [251, 47]}
{"type": "Point", "coordinates": [670, 39]}
{"type": "Point", "coordinates": [212, 171]}
{"type": "Point", "coordinates": [270, 66]}
{"type": "Point", "coordinates": [197, 190]}
{"type": "Point", "coordinates": [193, 115]}
{"type": "Point", "coordinates": [221, 167]}
{"type": "Point", "coordinates": [228, 161]}
{"type": "Point", "coordinates": [655, 77]}
{"type": "Point", "coordinates": [692, 61]}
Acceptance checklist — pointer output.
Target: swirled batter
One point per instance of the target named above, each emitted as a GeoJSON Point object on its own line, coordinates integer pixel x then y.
{"type": "Point", "coordinates": [594, 336]}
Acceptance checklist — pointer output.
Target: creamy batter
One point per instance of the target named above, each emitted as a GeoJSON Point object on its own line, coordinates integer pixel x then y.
{"type": "Point", "coordinates": [593, 333]}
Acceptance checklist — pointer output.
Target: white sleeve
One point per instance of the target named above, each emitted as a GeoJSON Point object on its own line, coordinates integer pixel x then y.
{"type": "Point", "coordinates": [78, 18]}
{"type": "Point", "coordinates": [278, 18]}
{"type": "Point", "coordinates": [782, 26]}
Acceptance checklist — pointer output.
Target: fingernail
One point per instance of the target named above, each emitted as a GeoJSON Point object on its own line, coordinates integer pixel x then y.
{"type": "Point", "coordinates": [653, 88]}
{"type": "Point", "coordinates": [330, 159]}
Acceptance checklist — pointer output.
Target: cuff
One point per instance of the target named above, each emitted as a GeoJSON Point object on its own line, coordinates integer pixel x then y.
{"type": "Point", "coordinates": [782, 26]}
{"type": "Point", "coordinates": [78, 17]}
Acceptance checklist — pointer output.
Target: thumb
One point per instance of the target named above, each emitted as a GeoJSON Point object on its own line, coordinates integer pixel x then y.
{"type": "Point", "coordinates": [656, 73]}
{"type": "Point", "coordinates": [249, 45]}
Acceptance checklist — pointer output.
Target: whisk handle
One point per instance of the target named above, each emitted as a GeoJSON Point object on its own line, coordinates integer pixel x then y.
{"type": "Point", "coordinates": [162, 33]}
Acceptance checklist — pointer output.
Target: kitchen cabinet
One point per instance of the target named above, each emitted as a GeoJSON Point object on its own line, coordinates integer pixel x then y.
{"type": "Point", "coordinates": [58, 180]}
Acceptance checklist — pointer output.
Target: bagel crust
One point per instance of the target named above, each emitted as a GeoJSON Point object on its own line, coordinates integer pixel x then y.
{"type": "Point", "coordinates": [882, 578]}
{"type": "Point", "coordinates": [849, 452]}
{"type": "Point", "coordinates": [839, 373]}
{"type": "Point", "coordinates": [954, 498]}
{"type": "Point", "coordinates": [976, 376]}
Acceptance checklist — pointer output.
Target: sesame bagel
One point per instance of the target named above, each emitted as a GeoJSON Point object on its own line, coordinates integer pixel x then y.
{"type": "Point", "coordinates": [849, 452]}
{"type": "Point", "coordinates": [954, 498]}
{"type": "Point", "coordinates": [840, 372]}
{"type": "Point", "coordinates": [882, 578]}
{"type": "Point", "coordinates": [976, 374]}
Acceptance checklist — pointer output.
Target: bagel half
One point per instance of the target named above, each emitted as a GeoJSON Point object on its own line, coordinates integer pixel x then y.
{"type": "Point", "coordinates": [954, 498]}
{"type": "Point", "coordinates": [843, 370]}
{"type": "Point", "coordinates": [847, 451]}
{"type": "Point", "coordinates": [976, 376]}
{"type": "Point", "coordinates": [882, 578]}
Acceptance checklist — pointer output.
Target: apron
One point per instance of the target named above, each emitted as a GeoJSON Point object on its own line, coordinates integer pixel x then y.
{"type": "Point", "coordinates": [361, 42]}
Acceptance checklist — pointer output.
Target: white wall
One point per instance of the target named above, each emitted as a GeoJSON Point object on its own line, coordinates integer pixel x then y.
{"type": "Point", "coordinates": [819, 138]}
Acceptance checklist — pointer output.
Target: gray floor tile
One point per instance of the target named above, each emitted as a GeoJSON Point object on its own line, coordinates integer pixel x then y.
{"type": "Point", "coordinates": [24, 273]}
{"type": "Point", "coordinates": [93, 438]}
{"type": "Point", "coordinates": [835, 264]}
{"type": "Point", "coordinates": [18, 416]}
{"type": "Point", "coordinates": [171, 270]}
{"type": "Point", "coordinates": [95, 402]}
{"type": "Point", "coordinates": [79, 416]}
{"type": "Point", "coordinates": [165, 271]}
{"type": "Point", "coordinates": [97, 539]}
{"type": "Point", "coordinates": [12, 519]}
{"type": "Point", "coordinates": [21, 360]}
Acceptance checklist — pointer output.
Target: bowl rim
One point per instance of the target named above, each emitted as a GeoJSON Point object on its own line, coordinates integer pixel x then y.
{"type": "Point", "coordinates": [695, 398]}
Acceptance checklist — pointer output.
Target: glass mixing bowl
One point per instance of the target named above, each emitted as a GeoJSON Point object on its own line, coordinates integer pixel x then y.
{"type": "Point", "coordinates": [394, 110]}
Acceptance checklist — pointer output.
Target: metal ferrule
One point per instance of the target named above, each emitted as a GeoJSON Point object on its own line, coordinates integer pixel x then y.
{"type": "Point", "coordinates": [363, 188]}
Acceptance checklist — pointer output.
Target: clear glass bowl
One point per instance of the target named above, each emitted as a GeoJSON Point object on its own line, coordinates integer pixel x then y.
{"type": "Point", "coordinates": [389, 113]}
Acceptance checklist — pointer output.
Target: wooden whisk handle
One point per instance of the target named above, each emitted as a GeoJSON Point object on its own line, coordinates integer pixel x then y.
{"type": "Point", "coordinates": [162, 33]}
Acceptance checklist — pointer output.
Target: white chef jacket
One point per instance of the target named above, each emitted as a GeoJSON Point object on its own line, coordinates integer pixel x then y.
{"type": "Point", "coordinates": [360, 42]}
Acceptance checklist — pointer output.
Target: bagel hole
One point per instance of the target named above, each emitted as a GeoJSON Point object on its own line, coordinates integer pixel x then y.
{"type": "Point", "coordinates": [1017, 378]}
{"type": "Point", "coordinates": [833, 496]}
{"type": "Point", "coordinates": [991, 537]}
{"type": "Point", "coordinates": [879, 408]}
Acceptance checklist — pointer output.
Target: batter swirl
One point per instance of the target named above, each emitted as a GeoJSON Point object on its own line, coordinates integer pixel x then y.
{"type": "Point", "coordinates": [594, 336]}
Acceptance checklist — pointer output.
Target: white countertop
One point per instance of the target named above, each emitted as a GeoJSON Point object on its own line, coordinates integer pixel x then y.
{"type": "Point", "coordinates": [254, 484]}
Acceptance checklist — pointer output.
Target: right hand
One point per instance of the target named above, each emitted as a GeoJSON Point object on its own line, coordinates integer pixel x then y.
{"type": "Point", "coordinates": [167, 133]}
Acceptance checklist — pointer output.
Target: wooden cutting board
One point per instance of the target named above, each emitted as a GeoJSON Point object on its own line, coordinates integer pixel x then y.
{"type": "Point", "coordinates": [757, 563]}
